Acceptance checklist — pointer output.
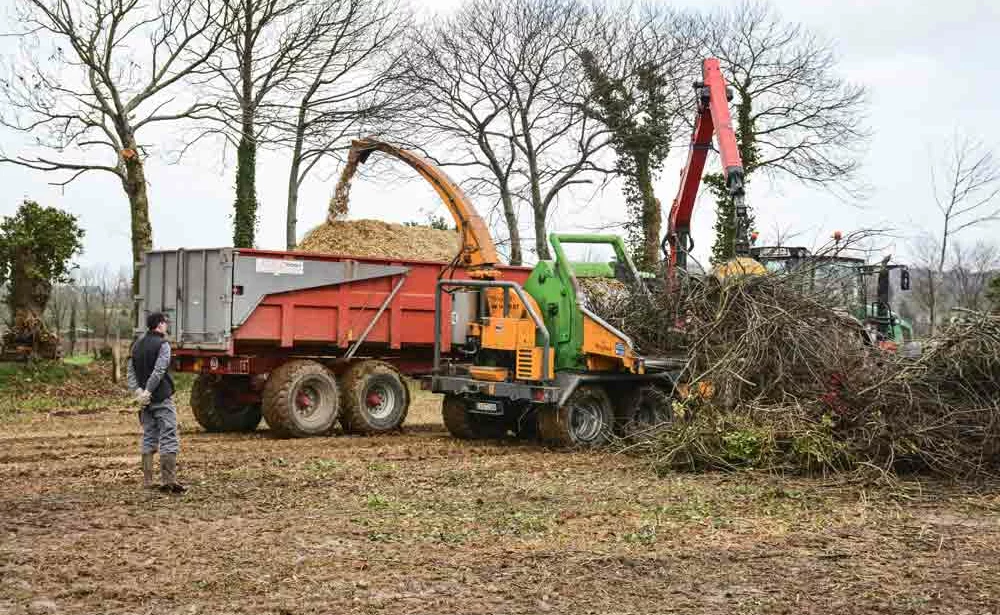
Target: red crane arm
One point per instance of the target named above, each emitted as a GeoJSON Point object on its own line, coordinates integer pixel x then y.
{"type": "Point", "coordinates": [713, 118]}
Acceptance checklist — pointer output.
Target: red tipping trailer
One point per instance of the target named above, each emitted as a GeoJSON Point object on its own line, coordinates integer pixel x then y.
{"type": "Point", "coordinates": [302, 338]}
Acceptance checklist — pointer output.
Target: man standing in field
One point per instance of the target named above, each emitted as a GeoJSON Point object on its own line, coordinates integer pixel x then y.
{"type": "Point", "coordinates": [150, 381]}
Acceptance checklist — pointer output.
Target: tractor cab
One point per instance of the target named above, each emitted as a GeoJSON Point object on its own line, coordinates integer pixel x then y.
{"type": "Point", "coordinates": [845, 282]}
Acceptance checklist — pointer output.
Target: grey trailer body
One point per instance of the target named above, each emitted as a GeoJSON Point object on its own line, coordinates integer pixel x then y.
{"type": "Point", "coordinates": [208, 293]}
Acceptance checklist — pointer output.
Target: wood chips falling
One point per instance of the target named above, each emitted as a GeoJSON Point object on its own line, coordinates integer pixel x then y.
{"type": "Point", "coordinates": [375, 238]}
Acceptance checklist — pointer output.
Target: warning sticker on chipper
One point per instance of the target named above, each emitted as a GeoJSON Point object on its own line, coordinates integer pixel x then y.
{"type": "Point", "coordinates": [279, 266]}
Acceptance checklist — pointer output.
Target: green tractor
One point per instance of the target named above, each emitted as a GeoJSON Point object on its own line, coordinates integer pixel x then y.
{"type": "Point", "coordinates": [846, 282]}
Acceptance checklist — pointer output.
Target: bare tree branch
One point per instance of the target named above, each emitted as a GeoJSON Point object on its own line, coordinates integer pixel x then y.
{"type": "Point", "coordinates": [76, 84]}
{"type": "Point", "coordinates": [802, 119]}
{"type": "Point", "coordinates": [967, 197]}
{"type": "Point", "coordinates": [494, 83]}
{"type": "Point", "coordinates": [350, 85]}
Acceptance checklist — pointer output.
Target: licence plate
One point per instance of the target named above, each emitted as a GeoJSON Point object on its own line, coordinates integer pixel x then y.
{"type": "Point", "coordinates": [486, 407]}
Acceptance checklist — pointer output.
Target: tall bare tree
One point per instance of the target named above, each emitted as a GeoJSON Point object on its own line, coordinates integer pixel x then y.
{"type": "Point", "coordinates": [105, 288]}
{"type": "Point", "coordinates": [634, 60]}
{"type": "Point", "coordinates": [351, 87]}
{"type": "Point", "coordinates": [966, 192]}
{"type": "Point", "coordinates": [466, 108]}
{"type": "Point", "coordinates": [993, 294]}
{"type": "Point", "coordinates": [795, 117]}
{"type": "Point", "coordinates": [506, 75]}
{"type": "Point", "coordinates": [72, 327]}
{"type": "Point", "coordinates": [972, 269]}
{"type": "Point", "coordinates": [265, 54]}
{"type": "Point", "coordinates": [60, 304]}
{"type": "Point", "coordinates": [94, 74]}
{"type": "Point", "coordinates": [85, 279]}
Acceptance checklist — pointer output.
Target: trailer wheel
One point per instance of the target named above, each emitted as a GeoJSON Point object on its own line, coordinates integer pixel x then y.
{"type": "Point", "coordinates": [216, 405]}
{"type": "Point", "coordinates": [466, 426]}
{"type": "Point", "coordinates": [301, 399]}
{"type": "Point", "coordinates": [645, 408]}
{"type": "Point", "coordinates": [585, 421]}
{"type": "Point", "coordinates": [374, 398]}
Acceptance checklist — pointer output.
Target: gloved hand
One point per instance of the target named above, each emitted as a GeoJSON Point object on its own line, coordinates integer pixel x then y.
{"type": "Point", "coordinates": [142, 397]}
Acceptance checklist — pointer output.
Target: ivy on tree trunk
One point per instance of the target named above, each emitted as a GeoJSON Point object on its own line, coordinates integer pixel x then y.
{"type": "Point", "coordinates": [724, 247]}
{"type": "Point", "coordinates": [245, 217]}
{"type": "Point", "coordinates": [634, 107]}
{"type": "Point", "coordinates": [36, 246]}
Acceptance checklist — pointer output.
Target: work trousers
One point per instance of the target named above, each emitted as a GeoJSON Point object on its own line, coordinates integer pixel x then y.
{"type": "Point", "coordinates": [159, 428]}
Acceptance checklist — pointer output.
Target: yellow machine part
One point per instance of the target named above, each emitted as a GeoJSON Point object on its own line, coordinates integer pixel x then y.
{"type": "Point", "coordinates": [491, 374]}
{"type": "Point", "coordinates": [514, 332]}
{"type": "Point", "coordinates": [737, 267]}
{"type": "Point", "coordinates": [606, 351]}
{"type": "Point", "coordinates": [507, 333]}
{"type": "Point", "coordinates": [529, 363]}
{"type": "Point", "coordinates": [516, 309]}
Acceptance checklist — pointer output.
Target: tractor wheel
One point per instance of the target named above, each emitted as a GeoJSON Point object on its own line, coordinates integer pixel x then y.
{"type": "Point", "coordinates": [467, 426]}
{"type": "Point", "coordinates": [585, 421]}
{"type": "Point", "coordinates": [645, 408]}
{"type": "Point", "coordinates": [301, 399]}
{"type": "Point", "coordinates": [373, 398]}
{"type": "Point", "coordinates": [216, 405]}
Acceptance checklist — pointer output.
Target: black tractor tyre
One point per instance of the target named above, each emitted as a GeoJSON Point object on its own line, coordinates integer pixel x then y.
{"type": "Point", "coordinates": [465, 425]}
{"type": "Point", "coordinates": [301, 399]}
{"type": "Point", "coordinates": [586, 420]}
{"type": "Point", "coordinates": [645, 408]}
{"type": "Point", "coordinates": [213, 402]}
{"type": "Point", "coordinates": [374, 398]}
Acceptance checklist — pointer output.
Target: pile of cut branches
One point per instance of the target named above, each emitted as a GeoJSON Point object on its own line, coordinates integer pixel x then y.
{"type": "Point", "coordinates": [789, 384]}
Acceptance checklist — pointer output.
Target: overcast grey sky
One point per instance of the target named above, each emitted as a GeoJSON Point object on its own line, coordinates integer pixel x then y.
{"type": "Point", "coordinates": [931, 69]}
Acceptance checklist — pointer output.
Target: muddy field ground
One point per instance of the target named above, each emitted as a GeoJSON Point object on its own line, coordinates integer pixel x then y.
{"type": "Point", "coordinates": [421, 523]}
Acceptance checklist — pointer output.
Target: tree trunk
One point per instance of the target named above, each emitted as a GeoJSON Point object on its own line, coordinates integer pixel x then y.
{"type": "Point", "coordinates": [537, 203]}
{"type": "Point", "coordinates": [86, 316]}
{"type": "Point", "coordinates": [940, 268]}
{"type": "Point", "coordinates": [510, 215]}
{"type": "Point", "coordinates": [245, 218]}
{"type": "Point", "coordinates": [72, 328]}
{"type": "Point", "coordinates": [293, 185]}
{"type": "Point", "coordinates": [116, 375]}
{"type": "Point", "coordinates": [541, 241]}
{"type": "Point", "coordinates": [135, 187]}
{"type": "Point", "coordinates": [932, 298]}
{"type": "Point", "coordinates": [509, 212]}
{"type": "Point", "coordinates": [651, 217]}
{"type": "Point", "coordinates": [27, 299]}
{"type": "Point", "coordinates": [723, 248]}
{"type": "Point", "coordinates": [107, 325]}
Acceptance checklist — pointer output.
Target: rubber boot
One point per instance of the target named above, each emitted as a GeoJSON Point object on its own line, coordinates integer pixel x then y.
{"type": "Point", "coordinates": [147, 471]}
{"type": "Point", "coordinates": [168, 474]}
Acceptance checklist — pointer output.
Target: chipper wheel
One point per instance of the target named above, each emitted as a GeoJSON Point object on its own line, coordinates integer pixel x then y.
{"type": "Point", "coordinates": [216, 403]}
{"type": "Point", "coordinates": [374, 399]}
{"type": "Point", "coordinates": [644, 408]}
{"type": "Point", "coordinates": [467, 426]}
{"type": "Point", "coordinates": [585, 421]}
{"type": "Point", "coordinates": [301, 399]}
